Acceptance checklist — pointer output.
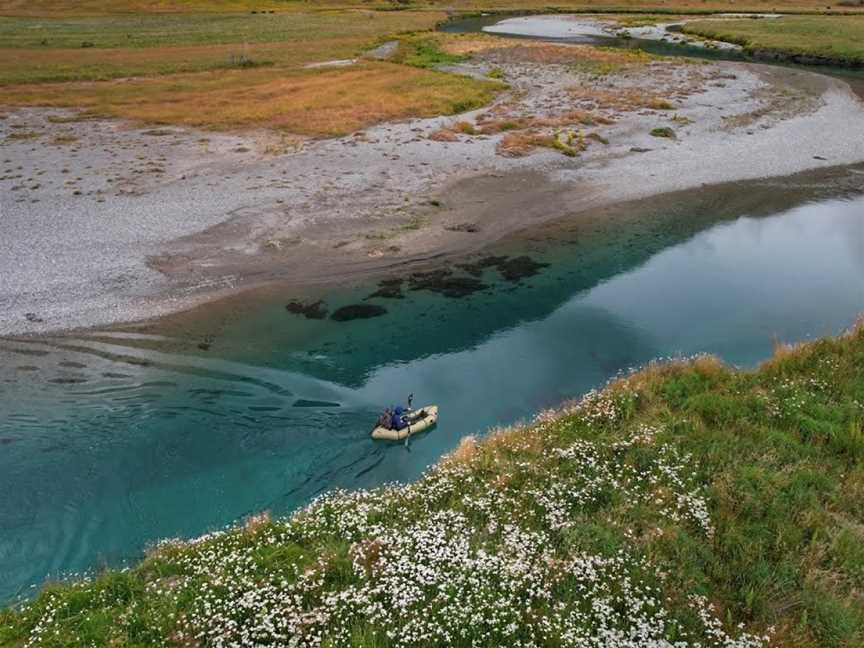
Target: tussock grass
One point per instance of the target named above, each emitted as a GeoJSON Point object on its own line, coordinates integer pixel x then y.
{"type": "Point", "coordinates": [523, 143]}
{"type": "Point", "coordinates": [663, 131]}
{"type": "Point", "coordinates": [619, 99]}
{"type": "Point", "coordinates": [443, 135]}
{"type": "Point", "coordinates": [525, 134]}
{"type": "Point", "coordinates": [686, 502]}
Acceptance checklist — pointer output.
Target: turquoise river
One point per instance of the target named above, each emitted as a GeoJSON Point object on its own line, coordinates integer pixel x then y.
{"type": "Point", "coordinates": [113, 439]}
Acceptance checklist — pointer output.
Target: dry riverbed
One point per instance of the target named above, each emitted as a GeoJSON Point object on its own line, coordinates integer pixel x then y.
{"type": "Point", "coordinates": [104, 221]}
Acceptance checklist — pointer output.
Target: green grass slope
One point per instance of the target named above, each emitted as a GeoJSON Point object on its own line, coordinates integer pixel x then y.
{"type": "Point", "coordinates": [687, 504]}
{"type": "Point", "coordinates": [838, 39]}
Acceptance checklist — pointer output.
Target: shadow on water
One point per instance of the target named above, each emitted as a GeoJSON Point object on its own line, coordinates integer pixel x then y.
{"type": "Point", "coordinates": [110, 440]}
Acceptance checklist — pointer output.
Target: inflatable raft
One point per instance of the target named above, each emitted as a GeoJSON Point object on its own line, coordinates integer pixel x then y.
{"type": "Point", "coordinates": [419, 420]}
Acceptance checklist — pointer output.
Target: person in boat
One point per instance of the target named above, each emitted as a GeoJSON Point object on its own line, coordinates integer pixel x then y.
{"type": "Point", "coordinates": [385, 419]}
{"type": "Point", "coordinates": [398, 420]}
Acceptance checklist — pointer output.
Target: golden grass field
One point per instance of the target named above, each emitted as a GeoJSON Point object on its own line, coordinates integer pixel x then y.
{"type": "Point", "coordinates": [240, 63]}
{"type": "Point", "coordinates": [326, 102]}
{"type": "Point", "coordinates": [228, 71]}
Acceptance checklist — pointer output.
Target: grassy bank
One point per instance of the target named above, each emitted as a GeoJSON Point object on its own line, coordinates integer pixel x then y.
{"type": "Point", "coordinates": [687, 503]}
{"type": "Point", "coordinates": [833, 38]}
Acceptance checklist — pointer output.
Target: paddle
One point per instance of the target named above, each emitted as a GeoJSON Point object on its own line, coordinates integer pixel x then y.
{"type": "Point", "coordinates": [410, 400]}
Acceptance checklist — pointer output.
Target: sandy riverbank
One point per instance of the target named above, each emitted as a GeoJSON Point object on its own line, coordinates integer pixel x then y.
{"type": "Point", "coordinates": [575, 27]}
{"type": "Point", "coordinates": [104, 222]}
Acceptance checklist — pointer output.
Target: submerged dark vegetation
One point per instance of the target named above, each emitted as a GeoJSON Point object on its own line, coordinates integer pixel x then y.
{"type": "Point", "coordinates": [465, 281]}
{"type": "Point", "coordinates": [687, 503]}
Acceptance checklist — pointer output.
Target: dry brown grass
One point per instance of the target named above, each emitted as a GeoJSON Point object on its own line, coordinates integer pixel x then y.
{"type": "Point", "coordinates": [312, 102]}
{"type": "Point", "coordinates": [519, 439]}
{"type": "Point", "coordinates": [783, 352]}
{"type": "Point", "coordinates": [468, 44]}
{"type": "Point", "coordinates": [522, 143]}
{"type": "Point", "coordinates": [443, 135]}
{"type": "Point", "coordinates": [656, 103]}
{"type": "Point", "coordinates": [511, 50]}
{"type": "Point", "coordinates": [654, 372]}
{"type": "Point", "coordinates": [464, 452]}
{"type": "Point", "coordinates": [802, 350]}
{"type": "Point", "coordinates": [495, 125]}
{"type": "Point", "coordinates": [255, 522]}
{"type": "Point", "coordinates": [517, 144]}
{"type": "Point", "coordinates": [524, 134]}
{"type": "Point", "coordinates": [465, 127]}
{"type": "Point", "coordinates": [567, 119]}
{"type": "Point", "coordinates": [618, 99]}
{"type": "Point", "coordinates": [203, 85]}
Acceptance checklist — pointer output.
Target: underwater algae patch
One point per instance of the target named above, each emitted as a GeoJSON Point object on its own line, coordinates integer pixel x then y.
{"type": "Point", "coordinates": [462, 280]}
{"type": "Point", "coordinates": [389, 289]}
{"type": "Point", "coordinates": [310, 310]}
{"type": "Point", "coordinates": [511, 268]}
{"type": "Point", "coordinates": [446, 283]}
{"type": "Point", "coordinates": [357, 311]}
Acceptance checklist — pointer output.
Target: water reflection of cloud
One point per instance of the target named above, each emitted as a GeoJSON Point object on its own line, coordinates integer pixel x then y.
{"type": "Point", "coordinates": [792, 275]}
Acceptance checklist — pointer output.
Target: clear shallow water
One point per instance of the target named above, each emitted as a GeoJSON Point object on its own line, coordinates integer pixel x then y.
{"type": "Point", "coordinates": [109, 441]}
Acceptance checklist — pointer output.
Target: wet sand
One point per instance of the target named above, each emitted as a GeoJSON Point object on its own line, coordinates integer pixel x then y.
{"type": "Point", "coordinates": [104, 222]}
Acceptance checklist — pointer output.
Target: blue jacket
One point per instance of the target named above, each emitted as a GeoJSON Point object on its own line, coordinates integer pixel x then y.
{"type": "Point", "coordinates": [397, 422]}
